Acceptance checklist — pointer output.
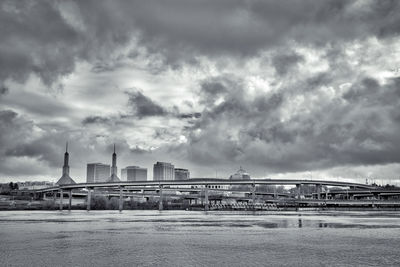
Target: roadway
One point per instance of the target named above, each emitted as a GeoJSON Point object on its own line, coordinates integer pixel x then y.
{"type": "Point", "coordinates": [205, 182]}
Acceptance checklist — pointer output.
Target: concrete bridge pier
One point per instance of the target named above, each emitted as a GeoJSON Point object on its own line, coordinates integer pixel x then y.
{"type": "Point", "coordinates": [298, 190]}
{"type": "Point", "coordinates": [275, 193]}
{"type": "Point", "coordinates": [253, 193]}
{"type": "Point", "coordinates": [88, 197]}
{"type": "Point", "coordinates": [160, 202]}
{"type": "Point", "coordinates": [319, 189]}
{"type": "Point", "coordinates": [61, 199]}
{"type": "Point", "coordinates": [69, 200]}
{"type": "Point", "coordinates": [121, 201]}
{"type": "Point", "coordinates": [206, 204]}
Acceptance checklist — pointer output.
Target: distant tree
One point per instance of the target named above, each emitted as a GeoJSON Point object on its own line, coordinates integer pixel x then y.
{"type": "Point", "coordinates": [16, 187]}
{"type": "Point", "coordinates": [113, 203]}
{"type": "Point", "coordinates": [99, 203]}
{"type": "Point", "coordinates": [11, 185]}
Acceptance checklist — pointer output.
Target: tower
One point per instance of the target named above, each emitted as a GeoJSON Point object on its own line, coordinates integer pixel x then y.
{"type": "Point", "coordinates": [65, 178]}
{"type": "Point", "coordinates": [114, 176]}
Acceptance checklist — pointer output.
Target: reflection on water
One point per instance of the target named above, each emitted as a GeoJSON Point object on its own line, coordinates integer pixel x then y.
{"type": "Point", "coordinates": [182, 238]}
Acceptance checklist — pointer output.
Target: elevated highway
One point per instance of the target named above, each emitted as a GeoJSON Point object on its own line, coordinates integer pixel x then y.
{"type": "Point", "coordinates": [195, 185]}
{"type": "Point", "coordinates": [206, 182]}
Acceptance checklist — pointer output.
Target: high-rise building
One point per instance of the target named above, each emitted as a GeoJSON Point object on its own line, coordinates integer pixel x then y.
{"type": "Point", "coordinates": [134, 173]}
{"type": "Point", "coordinates": [97, 172]}
{"type": "Point", "coordinates": [163, 171]}
{"type": "Point", "coordinates": [114, 176]}
{"type": "Point", "coordinates": [65, 178]}
{"type": "Point", "coordinates": [182, 174]}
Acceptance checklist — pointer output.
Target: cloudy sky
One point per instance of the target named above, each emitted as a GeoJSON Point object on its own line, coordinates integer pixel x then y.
{"type": "Point", "coordinates": [306, 89]}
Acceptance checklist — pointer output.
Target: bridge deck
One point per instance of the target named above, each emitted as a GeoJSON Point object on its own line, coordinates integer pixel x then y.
{"type": "Point", "coordinates": [207, 182]}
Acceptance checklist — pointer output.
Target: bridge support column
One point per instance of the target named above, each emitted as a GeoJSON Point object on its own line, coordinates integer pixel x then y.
{"type": "Point", "coordinates": [88, 197]}
{"type": "Point", "coordinates": [70, 200]}
{"type": "Point", "coordinates": [206, 207]}
{"type": "Point", "coordinates": [253, 193]}
{"type": "Point", "coordinates": [298, 190]}
{"type": "Point", "coordinates": [160, 202]}
{"type": "Point", "coordinates": [61, 199]}
{"type": "Point", "coordinates": [319, 189]}
{"type": "Point", "coordinates": [275, 193]}
{"type": "Point", "coordinates": [121, 201]}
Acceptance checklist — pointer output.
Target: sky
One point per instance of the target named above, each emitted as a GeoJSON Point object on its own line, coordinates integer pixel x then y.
{"type": "Point", "coordinates": [285, 89]}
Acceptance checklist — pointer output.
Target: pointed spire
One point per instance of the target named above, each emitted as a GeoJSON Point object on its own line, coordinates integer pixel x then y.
{"type": "Point", "coordinates": [66, 147]}
{"type": "Point", "coordinates": [114, 147]}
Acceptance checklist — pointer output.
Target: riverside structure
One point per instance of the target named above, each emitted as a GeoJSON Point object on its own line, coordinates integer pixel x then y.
{"type": "Point", "coordinates": [199, 185]}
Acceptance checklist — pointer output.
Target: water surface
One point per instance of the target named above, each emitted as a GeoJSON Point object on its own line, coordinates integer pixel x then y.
{"type": "Point", "coordinates": [187, 238]}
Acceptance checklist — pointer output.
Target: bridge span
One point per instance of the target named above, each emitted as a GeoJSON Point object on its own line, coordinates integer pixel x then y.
{"type": "Point", "coordinates": [205, 183]}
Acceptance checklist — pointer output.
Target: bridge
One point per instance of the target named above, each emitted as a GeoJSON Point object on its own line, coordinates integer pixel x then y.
{"type": "Point", "coordinates": [202, 186]}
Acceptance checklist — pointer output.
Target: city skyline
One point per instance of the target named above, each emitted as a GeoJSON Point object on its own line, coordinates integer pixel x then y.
{"type": "Point", "coordinates": [292, 89]}
{"type": "Point", "coordinates": [102, 172]}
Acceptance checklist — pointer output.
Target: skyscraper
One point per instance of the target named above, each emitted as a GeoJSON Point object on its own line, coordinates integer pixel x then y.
{"type": "Point", "coordinates": [97, 172]}
{"type": "Point", "coordinates": [163, 171]}
{"type": "Point", "coordinates": [134, 173]}
{"type": "Point", "coordinates": [114, 176]}
{"type": "Point", "coordinates": [65, 178]}
{"type": "Point", "coordinates": [182, 174]}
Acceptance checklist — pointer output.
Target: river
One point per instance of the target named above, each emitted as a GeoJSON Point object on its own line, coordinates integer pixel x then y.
{"type": "Point", "coordinates": [189, 238]}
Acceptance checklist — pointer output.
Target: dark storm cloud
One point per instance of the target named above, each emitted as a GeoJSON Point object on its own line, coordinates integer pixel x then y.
{"type": "Point", "coordinates": [39, 150]}
{"type": "Point", "coordinates": [216, 28]}
{"type": "Point", "coordinates": [95, 119]}
{"type": "Point", "coordinates": [35, 39]}
{"type": "Point", "coordinates": [143, 106]}
{"type": "Point", "coordinates": [13, 128]}
{"type": "Point", "coordinates": [195, 115]}
{"type": "Point", "coordinates": [356, 128]}
{"type": "Point", "coordinates": [3, 90]}
{"type": "Point", "coordinates": [284, 62]}
{"type": "Point", "coordinates": [138, 150]}
{"type": "Point", "coordinates": [47, 38]}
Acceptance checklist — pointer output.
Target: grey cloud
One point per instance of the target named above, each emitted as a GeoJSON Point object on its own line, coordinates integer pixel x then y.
{"type": "Point", "coordinates": [30, 45]}
{"type": "Point", "coordinates": [195, 115]}
{"type": "Point", "coordinates": [143, 106]}
{"type": "Point", "coordinates": [39, 150]}
{"type": "Point", "coordinates": [4, 90]}
{"type": "Point", "coordinates": [179, 31]}
{"type": "Point", "coordinates": [95, 119]}
{"type": "Point", "coordinates": [249, 130]}
{"type": "Point", "coordinates": [284, 62]}
{"type": "Point", "coordinates": [138, 150]}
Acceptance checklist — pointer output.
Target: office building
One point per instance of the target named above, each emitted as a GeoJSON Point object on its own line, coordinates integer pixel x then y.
{"type": "Point", "coordinates": [97, 172]}
{"type": "Point", "coordinates": [134, 173]}
{"type": "Point", "coordinates": [182, 174]}
{"type": "Point", "coordinates": [163, 171]}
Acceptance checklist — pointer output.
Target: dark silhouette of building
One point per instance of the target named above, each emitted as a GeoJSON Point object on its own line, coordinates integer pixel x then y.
{"type": "Point", "coordinates": [65, 178]}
